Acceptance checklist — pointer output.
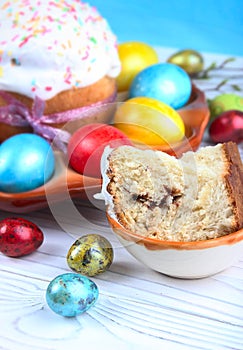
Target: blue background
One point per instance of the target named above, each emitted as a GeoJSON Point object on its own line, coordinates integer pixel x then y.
{"type": "Point", "coordinates": [214, 26]}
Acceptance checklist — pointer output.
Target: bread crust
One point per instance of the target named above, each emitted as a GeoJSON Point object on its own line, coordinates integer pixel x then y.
{"type": "Point", "coordinates": [73, 98]}
{"type": "Point", "coordinates": [64, 101]}
{"type": "Point", "coordinates": [234, 181]}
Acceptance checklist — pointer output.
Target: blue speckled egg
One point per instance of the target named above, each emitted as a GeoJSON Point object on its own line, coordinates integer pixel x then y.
{"type": "Point", "coordinates": [26, 162]}
{"type": "Point", "coordinates": [71, 294]}
{"type": "Point", "coordinates": [165, 82]}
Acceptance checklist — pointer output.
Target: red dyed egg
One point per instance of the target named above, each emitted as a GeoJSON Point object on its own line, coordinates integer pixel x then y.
{"type": "Point", "coordinates": [19, 237]}
{"type": "Point", "coordinates": [87, 144]}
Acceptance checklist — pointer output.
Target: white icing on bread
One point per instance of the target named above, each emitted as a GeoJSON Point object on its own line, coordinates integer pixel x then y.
{"type": "Point", "coordinates": [51, 46]}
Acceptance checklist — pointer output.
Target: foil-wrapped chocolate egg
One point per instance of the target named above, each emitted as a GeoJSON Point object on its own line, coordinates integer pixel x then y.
{"type": "Point", "coordinates": [71, 294]}
{"type": "Point", "coordinates": [190, 60]}
{"type": "Point", "coordinates": [228, 126]}
{"type": "Point", "coordinates": [90, 255]}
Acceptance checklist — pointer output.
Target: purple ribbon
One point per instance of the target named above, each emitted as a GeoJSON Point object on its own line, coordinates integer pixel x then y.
{"type": "Point", "coordinates": [15, 113]}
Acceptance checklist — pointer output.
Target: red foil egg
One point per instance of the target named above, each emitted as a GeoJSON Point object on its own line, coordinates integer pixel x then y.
{"type": "Point", "coordinates": [228, 126]}
{"type": "Point", "coordinates": [19, 237]}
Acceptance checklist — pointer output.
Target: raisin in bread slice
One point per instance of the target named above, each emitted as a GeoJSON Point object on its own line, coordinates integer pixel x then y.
{"type": "Point", "coordinates": [196, 197]}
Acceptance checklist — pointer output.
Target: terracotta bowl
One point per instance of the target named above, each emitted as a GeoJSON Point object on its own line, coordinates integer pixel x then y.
{"type": "Point", "coordinates": [189, 260]}
{"type": "Point", "coordinates": [67, 182]}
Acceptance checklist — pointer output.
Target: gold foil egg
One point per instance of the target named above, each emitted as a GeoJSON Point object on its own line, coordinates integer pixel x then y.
{"type": "Point", "coordinates": [190, 60]}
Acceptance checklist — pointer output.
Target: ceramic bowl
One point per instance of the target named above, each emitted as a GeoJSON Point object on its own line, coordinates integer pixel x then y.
{"type": "Point", "coordinates": [188, 260]}
{"type": "Point", "coordinates": [67, 182]}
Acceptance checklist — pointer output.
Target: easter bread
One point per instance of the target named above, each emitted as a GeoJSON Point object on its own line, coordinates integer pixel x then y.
{"type": "Point", "coordinates": [60, 52]}
{"type": "Point", "coordinates": [196, 197]}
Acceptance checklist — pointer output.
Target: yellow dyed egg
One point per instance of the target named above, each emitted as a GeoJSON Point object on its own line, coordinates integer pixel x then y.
{"type": "Point", "coordinates": [190, 60]}
{"type": "Point", "coordinates": [134, 57]}
{"type": "Point", "coordinates": [149, 121]}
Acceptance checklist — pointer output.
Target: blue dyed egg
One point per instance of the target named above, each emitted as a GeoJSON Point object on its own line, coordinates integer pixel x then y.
{"type": "Point", "coordinates": [165, 82]}
{"type": "Point", "coordinates": [26, 162]}
{"type": "Point", "coordinates": [71, 294]}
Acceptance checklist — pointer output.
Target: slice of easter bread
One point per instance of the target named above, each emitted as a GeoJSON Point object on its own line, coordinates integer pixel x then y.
{"type": "Point", "coordinates": [196, 197]}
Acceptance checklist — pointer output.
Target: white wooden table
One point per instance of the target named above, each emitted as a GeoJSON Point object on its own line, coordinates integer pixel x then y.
{"type": "Point", "coordinates": [137, 308]}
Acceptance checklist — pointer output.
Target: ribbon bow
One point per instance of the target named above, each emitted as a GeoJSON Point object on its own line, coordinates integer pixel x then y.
{"type": "Point", "coordinates": [15, 113]}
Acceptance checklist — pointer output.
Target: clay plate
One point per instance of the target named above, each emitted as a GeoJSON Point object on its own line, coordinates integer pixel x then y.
{"type": "Point", "coordinates": [67, 183]}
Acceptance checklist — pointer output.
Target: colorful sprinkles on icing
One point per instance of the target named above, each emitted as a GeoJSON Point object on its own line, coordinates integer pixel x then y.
{"type": "Point", "coordinates": [50, 46]}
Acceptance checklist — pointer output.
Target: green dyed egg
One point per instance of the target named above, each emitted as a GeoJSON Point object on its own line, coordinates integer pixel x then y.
{"type": "Point", "coordinates": [90, 255]}
{"type": "Point", "coordinates": [190, 60]}
{"type": "Point", "coordinates": [225, 102]}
